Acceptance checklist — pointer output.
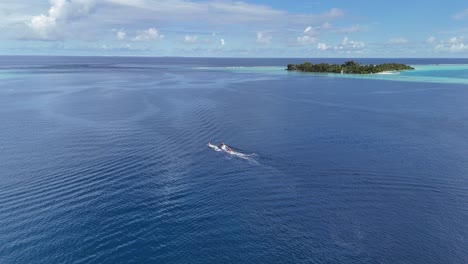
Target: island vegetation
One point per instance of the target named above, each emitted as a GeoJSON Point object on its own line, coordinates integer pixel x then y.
{"type": "Point", "coordinates": [349, 67]}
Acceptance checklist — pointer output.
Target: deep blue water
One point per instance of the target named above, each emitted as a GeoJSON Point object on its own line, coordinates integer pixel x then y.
{"type": "Point", "coordinates": [104, 160]}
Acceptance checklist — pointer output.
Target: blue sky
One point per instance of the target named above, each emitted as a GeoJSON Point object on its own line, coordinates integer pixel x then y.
{"type": "Point", "coordinates": [224, 28]}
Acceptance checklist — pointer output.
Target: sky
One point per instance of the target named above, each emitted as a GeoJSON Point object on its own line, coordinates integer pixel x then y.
{"type": "Point", "coordinates": [225, 28]}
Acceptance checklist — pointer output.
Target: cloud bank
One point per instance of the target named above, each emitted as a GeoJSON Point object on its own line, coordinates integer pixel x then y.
{"type": "Point", "coordinates": [207, 26]}
{"type": "Point", "coordinates": [453, 45]}
{"type": "Point", "coordinates": [64, 17]}
{"type": "Point", "coordinates": [148, 35]}
{"type": "Point", "coordinates": [61, 12]}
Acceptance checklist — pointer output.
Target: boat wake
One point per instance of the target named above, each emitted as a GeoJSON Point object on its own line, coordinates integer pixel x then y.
{"type": "Point", "coordinates": [232, 153]}
{"type": "Point", "coordinates": [214, 147]}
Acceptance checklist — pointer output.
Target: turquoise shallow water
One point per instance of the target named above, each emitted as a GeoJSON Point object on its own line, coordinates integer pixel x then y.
{"type": "Point", "coordinates": [5, 74]}
{"type": "Point", "coordinates": [456, 74]}
{"type": "Point", "coordinates": [104, 160]}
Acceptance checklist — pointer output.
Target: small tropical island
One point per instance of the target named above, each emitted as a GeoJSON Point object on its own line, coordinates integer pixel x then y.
{"type": "Point", "coordinates": [349, 67]}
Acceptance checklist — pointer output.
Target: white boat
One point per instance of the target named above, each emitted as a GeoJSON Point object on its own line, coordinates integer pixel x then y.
{"type": "Point", "coordinates": [225, 148]}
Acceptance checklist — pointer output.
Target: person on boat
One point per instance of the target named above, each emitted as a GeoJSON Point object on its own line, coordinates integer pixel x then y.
{"type": "Point", "coordinates": [223, 146]}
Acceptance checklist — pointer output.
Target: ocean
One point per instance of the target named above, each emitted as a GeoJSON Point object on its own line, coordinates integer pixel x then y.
{"type": "Point", "coordinates": [105, 160]}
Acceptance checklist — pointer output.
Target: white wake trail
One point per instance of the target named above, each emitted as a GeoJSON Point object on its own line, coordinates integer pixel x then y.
{"type": "Point", "coordinates": [224, 148]}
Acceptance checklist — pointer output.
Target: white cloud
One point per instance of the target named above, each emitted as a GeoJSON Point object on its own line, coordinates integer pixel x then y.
{"type": "Point", "coordinates": [148, 35]}
{"type": "Point", "coordinates": [309, 36]}
{"type": "Point", "coordinates": [397, 41]}
{"type": "Point", "coordinates": [459, 47]}
{"type": "Point", "coordinates": [311, 31]}
{"type": "Point", "coordinates": [263, 38]}
{"type": "Point", "coordinates": [431, 40]}
{"type": "Point", "coordinates": [455, 40]}
{"type": "Point", "coordinates": [44, 26]}
{"type": "Point", "coordinates": [346, 46]}
{"type": "Point", "coordinates": [90, 19]}
{"type": "Point", "coordinates": [61, 13]}
{"type": "Point", "coordinates": [345, 41]}
{"type": "Point", "coordinates": [222, 42]}
{"type": "Point", "coordinates": [454, 44]}
{"type": "Point", "coordinates": [306, 40]}
{"type": "Point", "coordinates": [121, 35]}
{"type": "Point", "coordinates": [461, 15]}
{"type": "Point", "coordinates": [190, 39]}
{"type": "Point", "coordinates": [352, 44]}
{"type": "Point", "coordinates": [323, 46]}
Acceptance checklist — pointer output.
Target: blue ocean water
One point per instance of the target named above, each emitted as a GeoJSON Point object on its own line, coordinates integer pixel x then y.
{"type": "Point", "coordinates": [104, 160]}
